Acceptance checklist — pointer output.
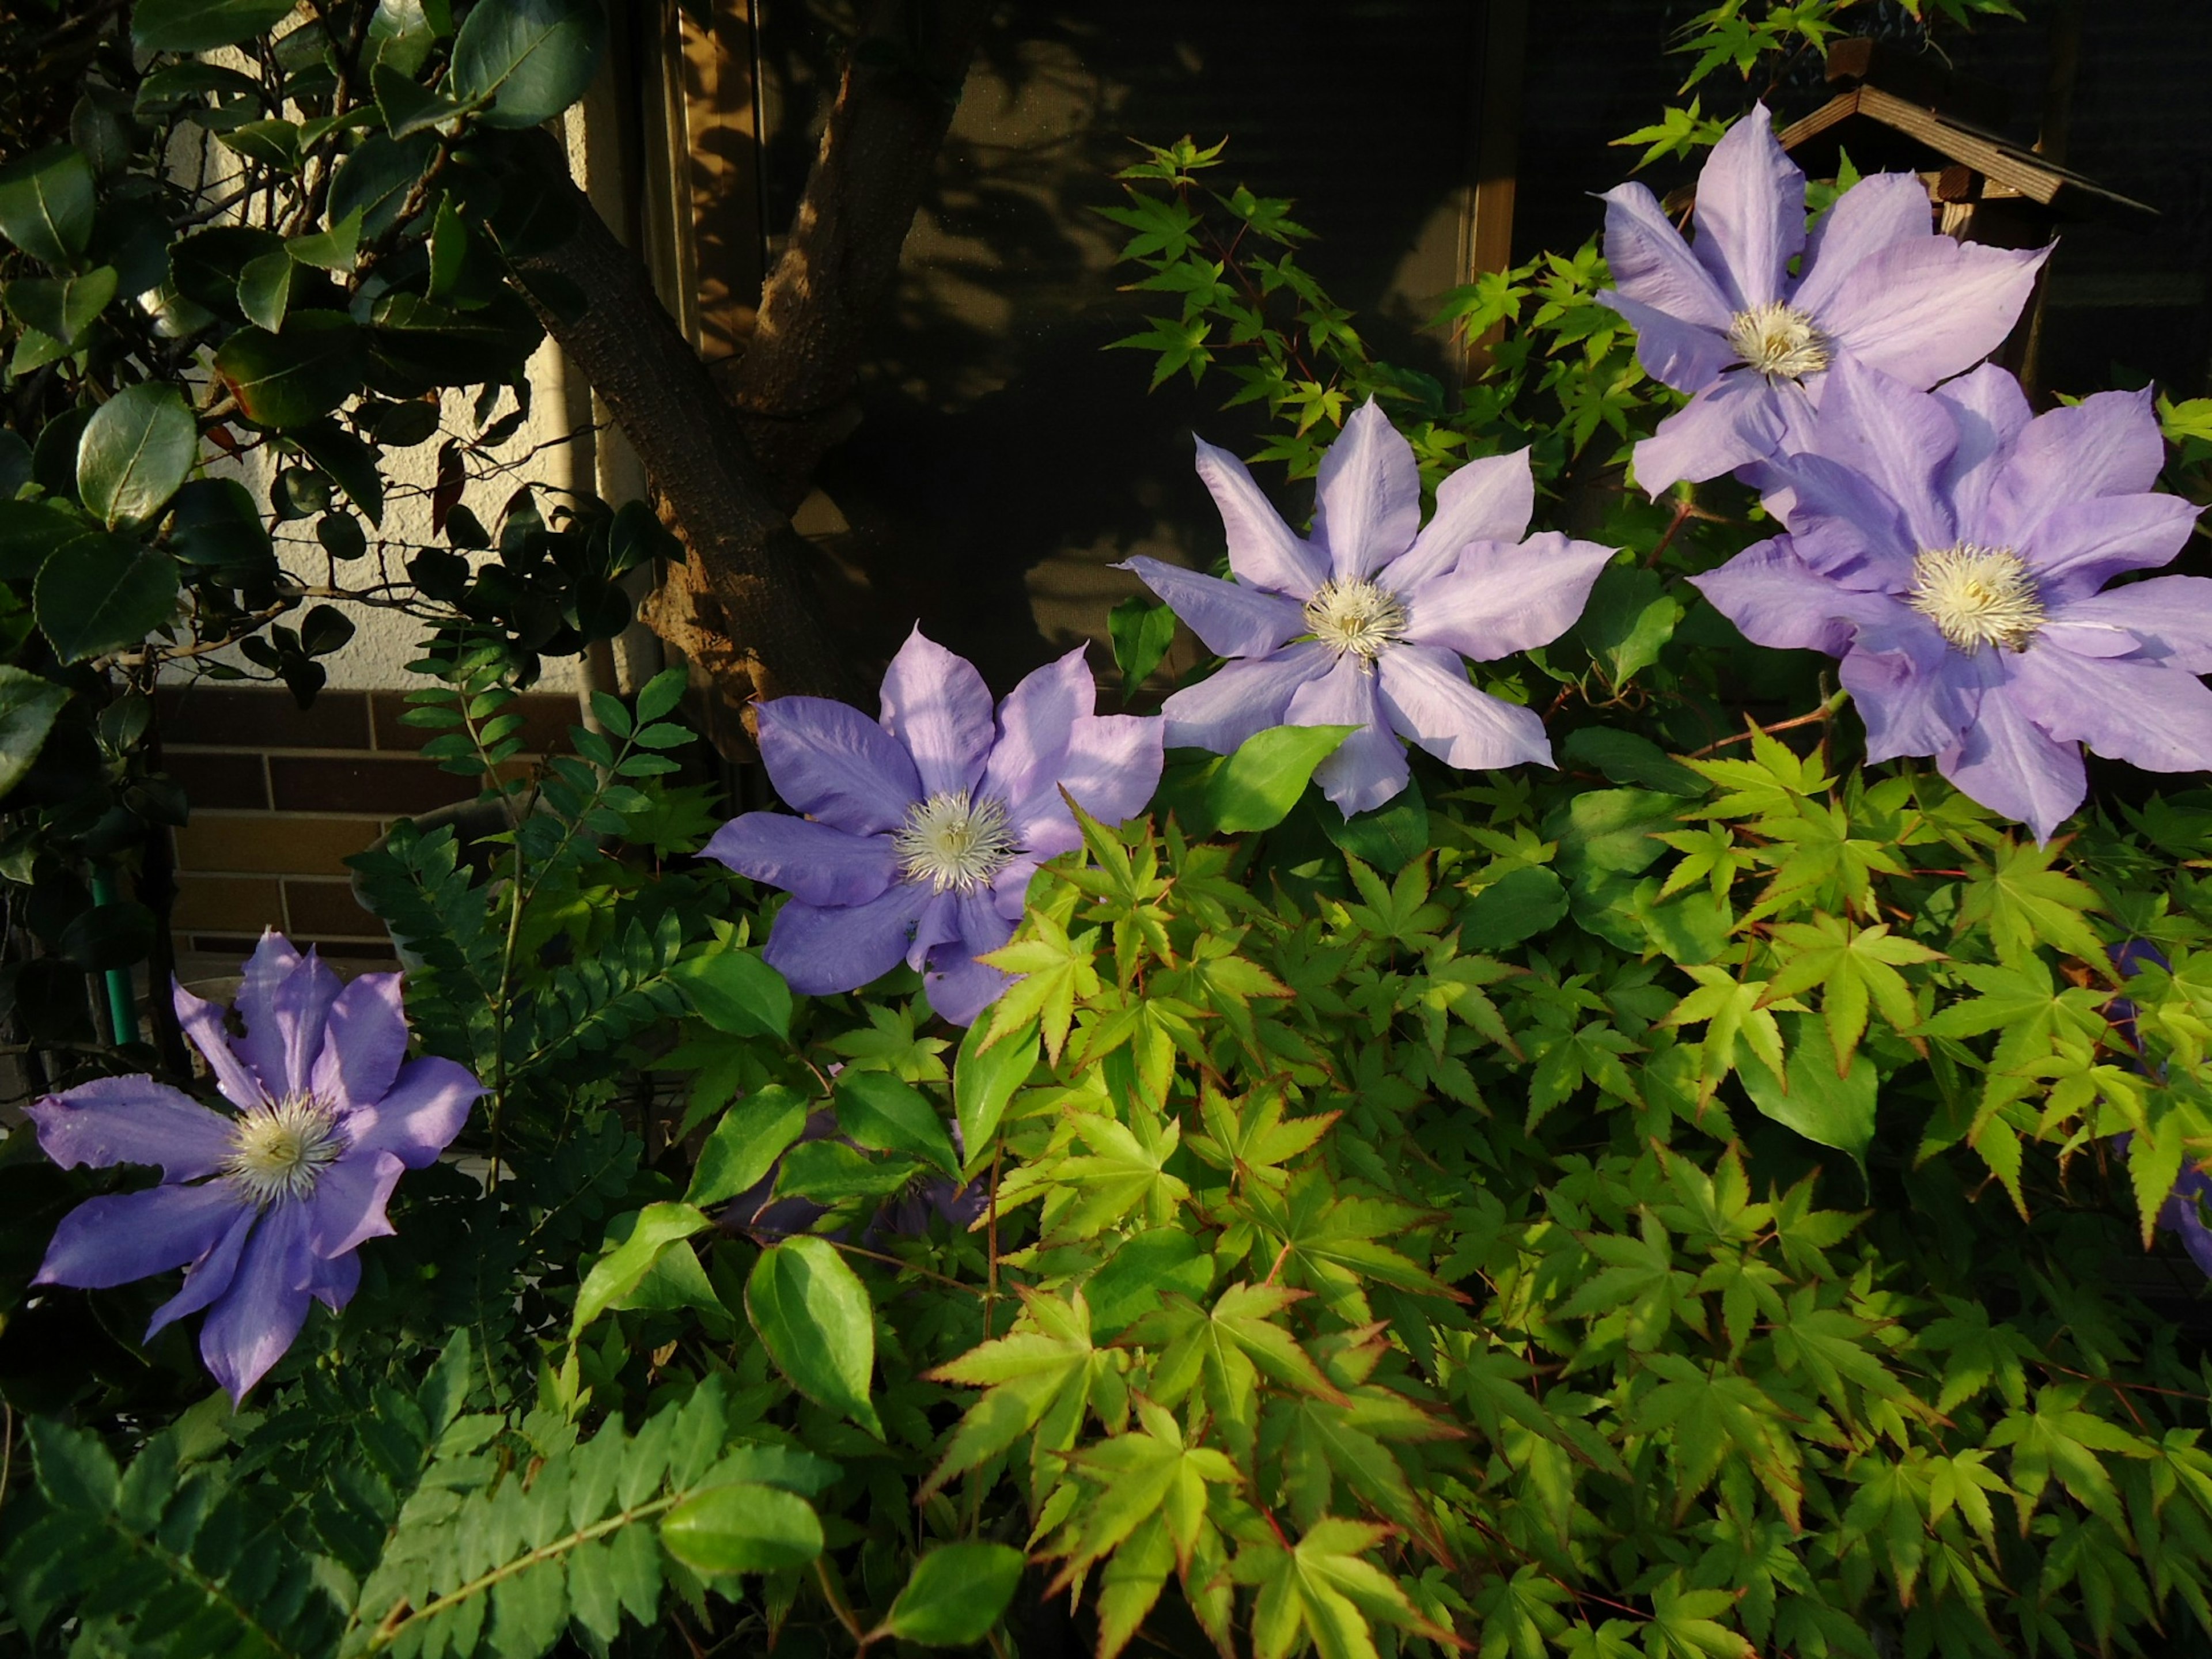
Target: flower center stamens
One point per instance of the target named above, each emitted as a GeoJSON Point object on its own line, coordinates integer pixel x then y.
{"type": "Point", "coordinates": [1977, 596]}
{"type": "Point", "coordinates": [954, 843]}
{"type": "Point", "coordinates": [1779, 341]}
{"type": "Point", "coordinates": [280, 1150]}
{"type": "Point", "coordinates": [1356, 618]}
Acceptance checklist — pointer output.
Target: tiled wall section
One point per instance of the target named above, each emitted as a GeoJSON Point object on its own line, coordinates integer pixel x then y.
{"type": "Point", "coordinates": [281, 795]}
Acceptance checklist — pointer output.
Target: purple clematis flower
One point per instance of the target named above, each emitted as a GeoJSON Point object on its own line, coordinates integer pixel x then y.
{"type": "Point", "coordinates": [264, 1206]}
{"type": "Point", "coordinates": [1365, 624]}
{"type": "Point", "coordinates": [922, 831]}
{"type": "Point", "coordinates": [1951, 551]}
{"type": "Point", "coordinates": [1724, 319]}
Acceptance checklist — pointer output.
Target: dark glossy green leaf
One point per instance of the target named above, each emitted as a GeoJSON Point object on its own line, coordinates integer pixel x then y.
{"type": "Point", "coordinates": [28, 703]}
{"type": "Point", "coordinates": [408, 106]}
{"type": "Point", "coordinates": [530, 59]}
{"type": "Point", "coordinates": [215, 524]}
{"type": "Point", "coordinates": [136, 449]}
{"type": "Point", "coordinates": [813, 1315]}
{"type": "Point", "coordinates": [1519, 904]}
{"type": "Point", "coordinates": [403, 33]}
{"type": "Point", "coordinates": [274, 144]}
{"type": "Point", "coordinates": [1624, 757]}
{"type": "Point", "coordinates": [1387, 837]}
{"type": "Point", "coordinates": [1629, 619]}
{"type": "Point", "coordinates": [169, 86]}
{"type": "Point", "coordinates": [15, 464]}
{"type": "Point", "coordinates": [1141, 633]}
{"type": "Point", "coordinates": [47, 204]}
{"type": "Point", "coordinates": [108, 936]}
{"type": "Point", "coordinates": [486, 346]}
{"type": "Point", "coordinates": [1257, 786]}
{"type": "Point", "coordinates": [1834, 1111]}
{"type": "Point", "coordinates": [341, 535]}
{"type": "Point", "coordinates": [31, 533]}
{"type": "Point", "coordinates": [300, 375]}
{"type": "Point", "coordinates": [886, 1116]}
{"type": "Point", "coordinates": [105, 596]}
{"type": "Point", "coordinates": [53, 457]}
{"type": "Point", "coordinates": [202, 25]}
{"type": "Point", "coordinates": [755, 1131]}
{"type": "Point", "coordinates": [334, 248]}
{"type": "Point", "coordinates": [62, 306]}
{"type": "Point", "coordinates": [735, 991]}
{"type": "Point", "coordinates": [831, 1172]}
{"type": "Point", "coordinates": [265, 289]}
{"type": "Point", "coordinates": [743, 1527]}
{"type": "Point", "coordinates": [348, 459]}
{"type": "Point", "coordinates": [955, 1595]}
{"type": "Point", "coordinates": [206, 266]}
{"type": "Point", "coordinates": [376, 179]}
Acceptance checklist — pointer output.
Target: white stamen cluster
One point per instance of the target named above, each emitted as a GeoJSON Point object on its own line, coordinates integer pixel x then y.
{"type": "Point", "coordinates": [1356, 618]}
{"type": "Point", "coordinates": [280, 1150]}
{"type": "Point", "coordinates": [1977, 596]}
{"type": "Point", "coordinates": [954, 843]}
{"type": "Point", "coordinates": [1779, 341]}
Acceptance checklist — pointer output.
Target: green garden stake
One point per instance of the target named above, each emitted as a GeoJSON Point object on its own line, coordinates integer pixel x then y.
{"type": "Point", "coordinates": [122, 1006]}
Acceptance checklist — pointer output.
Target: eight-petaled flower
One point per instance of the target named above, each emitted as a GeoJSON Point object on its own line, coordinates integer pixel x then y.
{"type": "Point", "coordinates": [1951, 551]}
{"type": "Point", "coordinates": [1365, 623]}
{"type": "Point", "coordinates": [922, 831]}
{"type": "Point", "coordinates": [263, 1207]}
{"type": "Point", "coordinates": [1725, 319]}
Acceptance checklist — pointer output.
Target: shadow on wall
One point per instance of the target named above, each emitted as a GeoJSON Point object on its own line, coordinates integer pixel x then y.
{"type": "Point", "coordinates": [1006, 460]}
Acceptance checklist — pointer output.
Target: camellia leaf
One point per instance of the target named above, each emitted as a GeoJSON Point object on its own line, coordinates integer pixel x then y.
{"type": "Point", "coordinates": [346, 459]}
{"type": "Point", "coordinates": [1257, 786]}
{"type": "Point", "coordinates": [881, 1113]}
{"type": "Point", "coordinates": [955, 1593]}
{"type": "Point", "coordinates": [28, 703]}
{"type": "Point", "coordinates": [297, 376]}
{"type": "Point", "coordinates": [202, 25]}
{"type": "Point", "coordinates": [617, 1272]}
{"type": "Point", "coordinates": [530, 59]}
{"type": "Point", "coordinates": [984, 1080]}
{"type": "Point", "coordinates": [31, 532]}
{"type": "Point", "coordinates": [744, 1146]}
{"type": "Point", "coordinates": [15, 464]}
{"type": "Point", "coordinates": [375, 181]}
{"type": "Point", "coordinates": [136, 449]}
{"type": "Point", "coordinates": [62, 306]}
{"type": "Point", "coordinates": [743, 1527]}
{"type": "Point", "coordinates": [333, 249]}
{"type": "Point", "coordinates": [735, 991]}
{"type": "Point", "coordinates": [46, 204]}
{"type": "Point", "coordinates": [813, 1314]}
{"type": "Point", "coordinates": [265, 289]}
{"type": "Point", "coordinates": [107, 595]}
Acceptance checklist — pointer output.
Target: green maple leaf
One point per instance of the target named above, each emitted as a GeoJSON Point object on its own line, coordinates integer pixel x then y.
{"type": "Point", "coordinates": [1126, 1171]}
{"type": "Point", "coordinates": [1225, 1350]}
{"type": "Point", "coordinates": [2025, 902]}
{"type": "Point", "coordinates": [1040, 1376]}
{"type": "Point", "coordinates": [1854, 967]}
{"type": "Point", "coordinates": [1710, 1417]}
{"type": "Point", "coordinates": [1141, 1475]}
{"type": "Point", "coordinates": [1056, 970]}
{"type": "Point", "coordinates": [1731, 1012]}
{"type": "Point", "coordinates": [1324, 1589]}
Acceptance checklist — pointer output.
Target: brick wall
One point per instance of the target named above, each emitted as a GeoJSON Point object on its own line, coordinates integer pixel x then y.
{"type": "Point", "coordinates": [281, 795]}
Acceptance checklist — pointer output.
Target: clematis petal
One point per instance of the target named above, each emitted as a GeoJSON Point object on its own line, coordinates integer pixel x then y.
{"type": "Point", "coordinates": [831, 761]}
{"type": "Point", "coordinates": [1367, 500]}
{"type": "Point", "coordinates": [1369, 767]}
{"type": "Point", "coordinates": [1918, 697]}
{"type": "Point", "coordinates": [1878, 212]}
{"type": "Point", "coordinates": [1926, 310]}
{"type": "Point", "coordinates": [1487, 499]}
{"type": "Point", "coordinates": [284, 1001]}
{"type": "Point", "coordinates": [2076, 549]}
{"type": "Point", "coordinates": [2106, 445]}
{"type": "Point", "coordinates": [1426, 694]}
{"type": "Point", "coordinates": [2010, 765]}
{"type": "Point", "coordinates": [825, 948]}
{"type": "Point", "coordinates": [1750, 212]}
{"type": "Point", "coordinates": [261, 1310]}
{"type": "Point", "coordinates": [1896, 438]}
{"type": "Point", "coordinates": [331, 1280]}
{"type": "Point", "coordinates": [132, 1119]}
{"type": "Point", "coordinates": [367, 1039]}
{"type": "Point", "coordinates": [1841, 523]}
{"type": "Point", "coordinates": [122, 1237]}
{"type": "Point", "coordinates": [2169, 619]}
{"type": "Point", "coordinates": [1688, 356]}
{"type": "Point", "coordinates": [1735, 421]}
{"type": "Point", "coordinates": [1263, 551]}
{"type": "Point", "coordinates": [418, 1117]}
{"type": "Point", "coordinates": [1774, 599]}
{"type": "Point", "coordinates": [1500, 598]}
{"type": "Point", "coordinates": [1111, 766]}
{"type": "Point", "coordinates": [203, 1023]}
{"type": "Point", "coordinates": [1240, 698]}
{"type": "Point", "coordinates": [1990, 412]}
{"type": "Point", "coordinates": [2147, 714]}
{"type": "Point", "coordinates": [817, 862]}
{"type": "Point", "coordinates": [936, 704]}
{"type": "Point", "coordinates": [960, 988]}
{"type": "Point", "coordinates": [346, 1209]}
{"type": "Point", "coordinates": [1232, 619]}
{"type": "Point", "coordinates": [1652, 265]}
{"type": "Point", "coordinates": [210, 1276]}
{"type": "Point", "coordinates": [1036, 722]}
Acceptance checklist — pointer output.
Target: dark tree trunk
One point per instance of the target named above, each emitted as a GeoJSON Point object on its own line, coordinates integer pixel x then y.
{"type": "Point", "coordinates": [747, 608]}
